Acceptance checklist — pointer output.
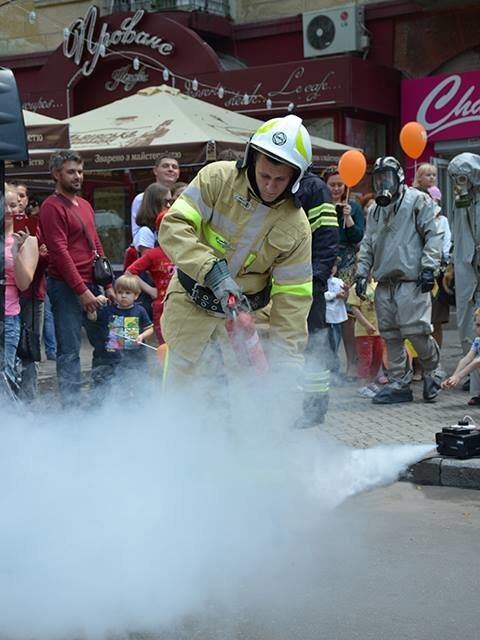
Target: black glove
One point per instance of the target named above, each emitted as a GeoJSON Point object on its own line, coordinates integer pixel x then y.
{"type": "Point", "coordinates": [426, 280]}
{"type": "Point", "coordinates": [361, 287]}
{"type": "Point", "coordinates": [219, 280]}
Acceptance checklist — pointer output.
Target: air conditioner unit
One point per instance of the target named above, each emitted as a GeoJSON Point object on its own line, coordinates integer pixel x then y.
{"type": "Point", "coordinates": [335, 30]}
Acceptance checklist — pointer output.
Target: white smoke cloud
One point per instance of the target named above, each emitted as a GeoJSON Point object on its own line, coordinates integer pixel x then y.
{"type": "Point", "coordinates": [134, 515]}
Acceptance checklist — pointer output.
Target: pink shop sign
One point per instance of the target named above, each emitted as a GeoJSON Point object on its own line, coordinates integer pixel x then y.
{"type": "Point", "coordinates": [448, 106]}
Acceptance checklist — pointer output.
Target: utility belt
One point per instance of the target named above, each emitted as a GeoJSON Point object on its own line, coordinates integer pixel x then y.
{"type": "Point", "coordinates": [203, 297]}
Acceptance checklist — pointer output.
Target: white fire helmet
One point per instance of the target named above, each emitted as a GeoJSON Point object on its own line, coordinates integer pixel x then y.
{"type": "Point", "coordinates": [286, 140]}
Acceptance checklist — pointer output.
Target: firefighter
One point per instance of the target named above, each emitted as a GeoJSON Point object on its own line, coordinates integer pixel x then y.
{"type": "Point", "coordinates": [402, 249]}
{"type": "Point", "coordinates": [464, 172]}
{"type": "Point", "coordinates": [237, 230]}
{"type": "Point", "coordinates": [314, 196]}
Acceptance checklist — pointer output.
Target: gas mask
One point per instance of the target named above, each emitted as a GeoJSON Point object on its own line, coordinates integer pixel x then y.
{"type": "Point", "coordinates": [463, 197]}
{"type": "Point", "coordinates": [385, 185]}
{"type": "Point", "coordinates": [464, 172]}
{"type": "Point", "coordinates": [387, 178]}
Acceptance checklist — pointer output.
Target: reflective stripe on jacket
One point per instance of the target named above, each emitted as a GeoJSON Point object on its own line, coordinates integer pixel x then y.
{"type": "Point", "coordinates": [219, 216]}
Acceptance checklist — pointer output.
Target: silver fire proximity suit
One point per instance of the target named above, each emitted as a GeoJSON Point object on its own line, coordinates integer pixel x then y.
{"type": "Point", "coordinates": [402, 241]}
{"type": "Point", "coordinates": [464, 172]}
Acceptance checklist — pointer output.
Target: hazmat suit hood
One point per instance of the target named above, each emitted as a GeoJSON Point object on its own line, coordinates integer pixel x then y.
{"type": "Point", "coordinates": [464, 172]}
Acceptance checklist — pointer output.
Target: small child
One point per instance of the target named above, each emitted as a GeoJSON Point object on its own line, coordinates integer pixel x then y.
{"type": "Point", "coordinates": [335, 314]}
{"type": "Point", "coordinates": [468, 363]}
{"type": "Point", "coordinates": [161, 270]}
{"type": "Point", "coordinates": [368, 342]}
{"type": "Point", "coordinates": [126, 324]}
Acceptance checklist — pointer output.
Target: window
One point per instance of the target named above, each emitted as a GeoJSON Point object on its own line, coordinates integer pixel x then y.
{"type": "Point", "coordinates": [366, 135]}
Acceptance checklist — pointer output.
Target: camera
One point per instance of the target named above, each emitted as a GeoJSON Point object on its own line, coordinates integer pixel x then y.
{"type": "Point", "coordinates": [339, 209]}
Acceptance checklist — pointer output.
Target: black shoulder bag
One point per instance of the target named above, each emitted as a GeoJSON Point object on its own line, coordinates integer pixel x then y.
{"type": "Point", "coordinates": [102, 269]}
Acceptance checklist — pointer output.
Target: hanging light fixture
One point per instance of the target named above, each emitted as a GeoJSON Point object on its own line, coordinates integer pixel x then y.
{"type": "Point", "coordinates": [136, 64]}
{"type": "Point", "coordinates": [195, 84]}
{"type": "Point", "coordinates": [165, 74]}
{"type": "Point", "coordinates": [291, 107]}
{"type": "Point", "coordinates": [32, 17]}
{"type": "Point", "coordinates": [268, 103]}
{"type": "Point", "coordinates": [246, 98]}
{"type": "Point", "coordinates": [221, 92]}
{"type": "Point", "coordinates": [103, 51]}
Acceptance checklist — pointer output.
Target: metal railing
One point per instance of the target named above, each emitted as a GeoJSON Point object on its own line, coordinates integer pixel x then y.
{"type": "Point", "coordinates": [217, 7]}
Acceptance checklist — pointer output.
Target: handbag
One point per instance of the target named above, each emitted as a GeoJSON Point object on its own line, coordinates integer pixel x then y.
{"type": "Point", "coordinates": [101, 268]}
{"type": "Point", "coordinates": [31, 331]}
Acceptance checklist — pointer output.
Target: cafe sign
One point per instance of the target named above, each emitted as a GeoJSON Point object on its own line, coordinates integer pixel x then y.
{"type": "Point", "coordinates": [448, 106]}
{"type": "Point", "coordinates": [86, 43]}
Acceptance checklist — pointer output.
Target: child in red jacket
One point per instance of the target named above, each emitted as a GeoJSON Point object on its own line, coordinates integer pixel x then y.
{"type": "Point", "coordinates": [158, 264]}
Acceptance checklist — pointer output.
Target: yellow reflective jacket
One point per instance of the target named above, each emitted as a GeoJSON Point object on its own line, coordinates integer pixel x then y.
{"type": "Point", "coordinates": [219, 216]}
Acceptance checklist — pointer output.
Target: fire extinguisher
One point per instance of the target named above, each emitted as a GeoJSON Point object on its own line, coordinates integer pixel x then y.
{"type": "Point", "coordinates": [245, 339]}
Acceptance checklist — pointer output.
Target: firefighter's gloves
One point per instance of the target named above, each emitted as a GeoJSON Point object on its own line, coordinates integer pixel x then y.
{"type": "Point", "coordinates": [219, 280]}
{"type": "Point", "coordinates": [361, 287]}
{"type": "Point", "coordinates": [426, 280]}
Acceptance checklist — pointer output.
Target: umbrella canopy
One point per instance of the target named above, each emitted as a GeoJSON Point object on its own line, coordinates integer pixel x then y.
{"type": "Point", "coordinates": [132, 132]}
{"type": "Point", "coordinates": [44, 132]}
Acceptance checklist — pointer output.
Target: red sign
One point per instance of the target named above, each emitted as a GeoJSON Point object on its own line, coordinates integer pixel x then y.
{"type": "Point", "coordinates": [448, 106]}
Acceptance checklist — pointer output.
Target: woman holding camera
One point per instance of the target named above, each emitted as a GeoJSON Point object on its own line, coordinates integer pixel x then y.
{"type": "Point", "coordinates": [351, 222]}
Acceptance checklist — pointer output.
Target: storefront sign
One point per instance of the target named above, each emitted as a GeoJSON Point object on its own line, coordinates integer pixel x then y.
{"type": "Point", "coordinates": [295, 86]}
{"type": "Point", "coordinates": [127, 77]}
{"type": "Point", "coordinates": [448, 106]}
{"type": "Point", "coordinates": [81, 36]}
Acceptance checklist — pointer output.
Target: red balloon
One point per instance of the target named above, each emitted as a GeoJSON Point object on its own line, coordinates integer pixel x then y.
{"type": "Point", "coordinates": [413, 139]}
{"type": "Point", "coordinates": [352, 166]}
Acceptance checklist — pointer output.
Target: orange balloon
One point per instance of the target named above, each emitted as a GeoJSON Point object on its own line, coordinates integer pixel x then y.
{"type": "Point", "coordinates": [413, 139]}
{"type": "Point", "coordinates": [352, 166]}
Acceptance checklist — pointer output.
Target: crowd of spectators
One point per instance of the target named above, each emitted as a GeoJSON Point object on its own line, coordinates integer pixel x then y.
{"type": "Point", "coordinates": [50, 290]}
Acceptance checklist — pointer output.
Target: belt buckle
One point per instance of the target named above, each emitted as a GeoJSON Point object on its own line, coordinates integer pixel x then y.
{"type": "Point", "coordinates": [195, 294]}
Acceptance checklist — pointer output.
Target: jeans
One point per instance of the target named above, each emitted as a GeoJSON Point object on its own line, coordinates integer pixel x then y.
{"type": "Point", "coordinates": [69, 318]}
{"type": "Point", "coordinates": [28, 352]}
{"type": "Point", "coordinates": [334, 338]}
{"type": "Point", "coordinates": [12, 337]}
{"type": "Point", "coordinates": [49, 329]}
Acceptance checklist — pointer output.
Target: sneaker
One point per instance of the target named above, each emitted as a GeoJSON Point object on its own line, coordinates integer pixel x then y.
{"type": "Point", "coordinates": [367, 392]}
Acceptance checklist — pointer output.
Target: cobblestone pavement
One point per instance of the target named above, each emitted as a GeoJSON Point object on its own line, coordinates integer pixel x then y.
{"type": "Point", "coordinates": [359, 423]}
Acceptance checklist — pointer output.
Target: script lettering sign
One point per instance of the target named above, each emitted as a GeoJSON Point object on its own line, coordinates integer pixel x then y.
{"type": "Point", "coordinates": [447, 106]}
{"type": "Point", "coordinates": [81, 44]}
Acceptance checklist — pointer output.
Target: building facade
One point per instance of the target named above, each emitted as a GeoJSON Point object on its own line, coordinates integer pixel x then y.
{"type": "Point", "coordinates": [354, 71]}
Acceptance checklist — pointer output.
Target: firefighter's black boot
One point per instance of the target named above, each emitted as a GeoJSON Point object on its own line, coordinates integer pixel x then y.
{"type": "Point", "coordinates": [315, 406]}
